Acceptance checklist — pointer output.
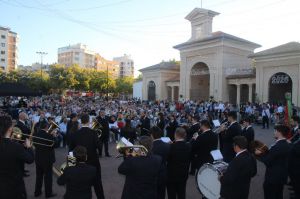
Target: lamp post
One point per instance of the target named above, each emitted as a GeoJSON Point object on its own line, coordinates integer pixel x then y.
{"type": "Point", "coordinates": [41, 54]}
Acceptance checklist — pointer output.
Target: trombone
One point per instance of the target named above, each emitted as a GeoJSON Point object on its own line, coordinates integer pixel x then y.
{"type": "Point", "coordinates": [19, 136]}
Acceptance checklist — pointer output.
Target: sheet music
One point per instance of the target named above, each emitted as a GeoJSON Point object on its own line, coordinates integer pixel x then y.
{"type": "Point", "coordinates": [216, 123]}
{"type": "Point", "coordinates": [216, 154]}
{"type": "Point", "coordinates": [126, 142]}
{"type": "Point", "coordinates": [165, 139]}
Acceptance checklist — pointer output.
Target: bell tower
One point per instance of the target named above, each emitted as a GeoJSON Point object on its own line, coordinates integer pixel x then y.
{"type": "Point", "coordinates": [201, 22]}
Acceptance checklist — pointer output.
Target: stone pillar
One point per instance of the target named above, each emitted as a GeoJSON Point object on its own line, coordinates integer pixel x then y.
{"type": "Point", "coordinates": [172, 93]}
{"type": "Point", "coordinates": [250, 92]}
{"type": "Point", "coordinates": [238, 94]}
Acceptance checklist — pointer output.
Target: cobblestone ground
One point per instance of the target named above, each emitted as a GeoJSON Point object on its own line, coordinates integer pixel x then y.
{"type": "Point", "coordinates": [113, 182]}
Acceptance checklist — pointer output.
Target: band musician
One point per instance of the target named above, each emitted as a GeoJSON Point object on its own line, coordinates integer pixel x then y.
{"type": "Point", "coordinates": [88, 138]}
{"type": "Point", "coordinates": [11, 154]}
{"type": "Point", "coordinates": [80, 178]}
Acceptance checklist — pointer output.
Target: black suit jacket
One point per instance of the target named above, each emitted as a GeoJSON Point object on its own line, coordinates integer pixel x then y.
{"type": "Point", "coordinates": [248, 134]}
{"type": "Point", "coordinates": [193, 129]}
{"type": "Point", "coordinates": [294, 162]}
{"type": "Point", "coordinates": [44, 155]}
{"type": "Point", "coordinates": [178, 161]}
{"type": "Point", "coordinates": [129, 133]}
{"type": "Point", "coordinates": [141, 176]}
{"type": "Point", "coordinates": [11, 174]}
{"type": "Point", "coordinates": [171, 128]}
{"type": "Point", "coordinates": [78, 180]}
{"type": "Point", "coordinates": [145, 126]}
{"type": "Point", "coordinates": [235, 182]}
{"type": "Point", "coordinates": [23, 127]}
{"type": "Point", "coordinates": [88, 138]}
{"type": "Point", "coordinates": [202, 146]}
{"type": "Point", "coordinates": [105, 126]}
{"type": "Point", "coordinates": [227, 140]}
{"type": "Point", "coordinates": [276, 163]}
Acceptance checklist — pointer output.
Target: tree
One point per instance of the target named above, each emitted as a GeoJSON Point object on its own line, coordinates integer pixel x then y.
{"type": "Point", "coordinates": [124, 85]}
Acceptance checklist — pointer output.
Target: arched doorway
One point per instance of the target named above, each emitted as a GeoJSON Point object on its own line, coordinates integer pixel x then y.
{"type": "Point", "coordinates": [279, 84]}
{"type": "Point", "coordinates": [151, 91]}
{"type": "Point", "coordinates": [199, 89]}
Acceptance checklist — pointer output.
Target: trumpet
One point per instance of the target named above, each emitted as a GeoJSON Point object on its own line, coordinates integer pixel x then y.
{"type": "Point", "coordinates": [19, 136]}
{"type": "Point", "coordinates": [133, 150]}
{"type": "Point", "coordinates": [97, 127]}
{"type": "Point", "coordinates": [222, 127]}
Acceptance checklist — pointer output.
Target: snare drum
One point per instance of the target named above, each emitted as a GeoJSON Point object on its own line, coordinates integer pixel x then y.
{"type": "Point", "coordinates": [207, 179]}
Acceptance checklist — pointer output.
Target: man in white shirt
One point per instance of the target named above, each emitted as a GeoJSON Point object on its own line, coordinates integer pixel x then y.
{"type": "Point", "coordinates": [265, 117]}
{"type": "Point", "coordinates": [63, 130]}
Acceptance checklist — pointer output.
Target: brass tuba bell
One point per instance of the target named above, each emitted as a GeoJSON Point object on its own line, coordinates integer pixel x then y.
{"type": "Point", "coordinates": [96, 126]}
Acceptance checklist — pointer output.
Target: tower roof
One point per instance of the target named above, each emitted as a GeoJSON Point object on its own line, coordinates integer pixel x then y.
{"type": "Point", "coordinates": [200, 12]}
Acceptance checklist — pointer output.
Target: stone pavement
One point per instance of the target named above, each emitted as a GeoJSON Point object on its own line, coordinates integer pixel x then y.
{"type": "Point", "coordinates": [113, 182]}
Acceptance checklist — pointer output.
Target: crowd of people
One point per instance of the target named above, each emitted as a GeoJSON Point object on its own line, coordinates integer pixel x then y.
{"type": "Point", "coordinates": [190, 127]}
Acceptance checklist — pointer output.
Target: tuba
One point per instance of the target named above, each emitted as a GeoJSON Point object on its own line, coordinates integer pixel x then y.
{"type": "Point", "coordinates": [126, 148]}
{"type": "Point", "coordinates": [52, 127]}
{"type": "Point", "coordinates": [96, 126]}
{"type": "Point", "coordinates": [71, 161]}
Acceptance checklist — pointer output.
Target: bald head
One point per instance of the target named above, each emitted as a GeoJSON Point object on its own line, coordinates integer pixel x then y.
{"type": "Point", "coordinates": [23, 116]}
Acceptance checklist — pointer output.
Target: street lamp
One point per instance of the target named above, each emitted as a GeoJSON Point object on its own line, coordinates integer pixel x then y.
{"type": "Point", "coordinates": [41, 54]}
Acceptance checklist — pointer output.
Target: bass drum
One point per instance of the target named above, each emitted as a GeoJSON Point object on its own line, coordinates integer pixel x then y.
{"type": "Point", "coordinates": [207, 179]}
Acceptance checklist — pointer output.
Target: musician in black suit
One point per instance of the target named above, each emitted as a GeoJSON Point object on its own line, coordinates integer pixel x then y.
{"type": "Point", "coordinates": [234, 129]}
{"type": "Point", "coordinates": [194, 128]}
{"type": "Point", "coordinates": [295, 129]}
{"type": "Point", "coordinates": [142, 172]}
{"type": "Point", "coordinates": [11, 154]}
{"type": "Point", "coordinates": [161, 149]}
{"type": "Point", "coordinates": [72, 127]}
{"type": "Point", "coordinates": [44, 159]}
{"type": "Point", "coordinates": [235, 182]}
{"type": "Point", "coordinates": [21, 124]}
{"type": "Point", "coordinates": [104, 121]}
{"type": "Point", "coordinates": [171, 127]}
{"type": "Point", "coordinates": [178, 166]}
{"type": "Point", "coordinates": [294, 168]}
{"type": "Point", "coordinates": [80, 178]}
{"type": "Point", "coordinates": [88, 138]}
{"type": "Point", "coordinates": [248, 131]}
{"type": "Point", "coordinates": [276, 164]}
{"type": "Point", "coordinates": [203, 144]}
{"type": "Point", "coordinates": [144, 124]}
{"type": "Point", "coordinates": [161, 122]}
{"type": "Point", "coordinates": [128, 131]}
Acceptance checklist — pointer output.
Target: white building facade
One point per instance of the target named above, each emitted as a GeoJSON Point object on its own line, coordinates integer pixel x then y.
{"type": "Point", "coordinates": [126, 66]}
{"type": "Point", "coordinates": [76, 54]}
{"type": "Point", "coordinates": [224, 67]}
{"type": "Point", "coordinates": [8, 49]}
{"type": "Point", "coordinates": [138, 90]}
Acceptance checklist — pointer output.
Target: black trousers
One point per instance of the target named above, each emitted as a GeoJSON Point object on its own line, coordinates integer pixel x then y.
{"type": "Point", "coordinates": [176, 190]}
{"type": "Point", "coordinates": [265, 121]}
{"type": "Point", "coordinates": [296, 187]}
{"type": "Point", "coordinates": [273, 191]}
{"type": "Point", "coordinates": [98, 188]}
{"type": "Point", "coordinates": [43, 173]}
{"type": "Point", "coordinates": [104, 142]}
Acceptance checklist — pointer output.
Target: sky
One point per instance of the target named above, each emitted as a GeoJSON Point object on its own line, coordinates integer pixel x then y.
{"type": "Point", "coordinates": [145, 29]}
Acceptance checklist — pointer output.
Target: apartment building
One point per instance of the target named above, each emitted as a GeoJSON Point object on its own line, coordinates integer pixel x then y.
{"type": "Point", "coordinates": [76, 54]}
{"type": "Point", "coordinates": [8, 49]}
{"type": "Point", "coordinates": [102, 64]}
{"type": "Point", "coordinates": [126, 66]}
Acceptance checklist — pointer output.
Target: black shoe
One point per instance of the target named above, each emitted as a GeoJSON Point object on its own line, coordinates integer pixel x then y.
{"type": "Point", "coordinates": [37, 194]}
{"type": "Point", "coordinates": [51, 195]}
{"type": "Point", "coordinates": [108, 155]}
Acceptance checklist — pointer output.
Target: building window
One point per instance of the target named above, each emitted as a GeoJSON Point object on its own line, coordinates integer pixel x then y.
{"type": "Point", "coordinates": [3, 44]}
{"type": "Point", "coordinates": [2, 36]}
{"type": "Point", "coordinates": [2, 52]}
{"type": "Point", "coordinates": [2, 60]}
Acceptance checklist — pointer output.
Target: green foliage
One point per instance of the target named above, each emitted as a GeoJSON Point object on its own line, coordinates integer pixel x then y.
{"type": "Point", "coordinates": [60, 78]}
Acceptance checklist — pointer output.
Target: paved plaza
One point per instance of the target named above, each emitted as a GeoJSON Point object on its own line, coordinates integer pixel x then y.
{"type": "Point", "coordinates": [113, 182]}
